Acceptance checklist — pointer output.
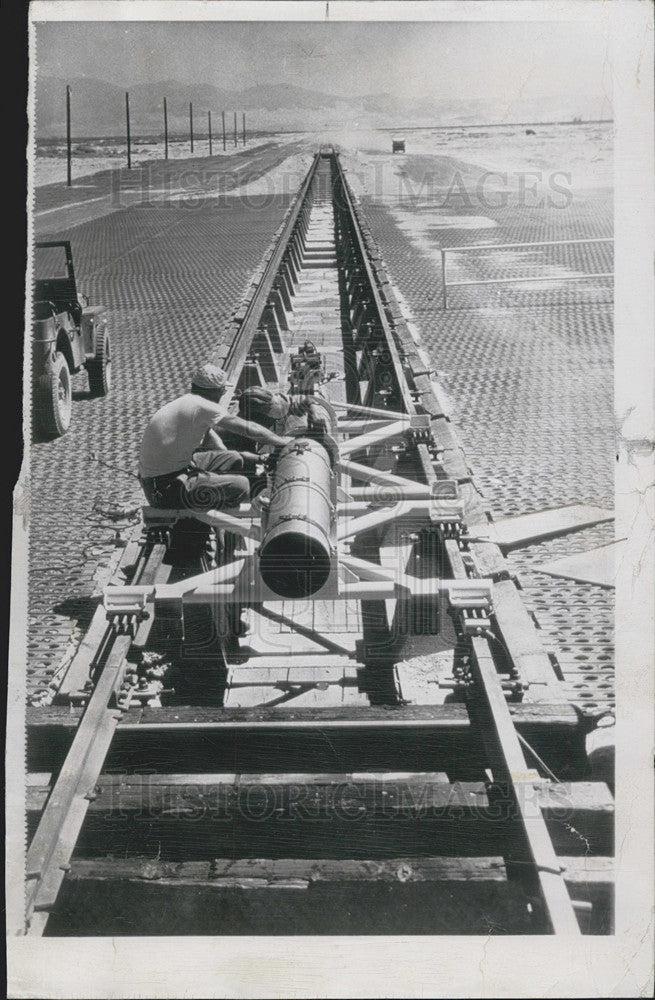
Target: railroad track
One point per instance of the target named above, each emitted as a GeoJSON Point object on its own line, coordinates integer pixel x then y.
{"type": "Point", "coordinates": [239, 747]}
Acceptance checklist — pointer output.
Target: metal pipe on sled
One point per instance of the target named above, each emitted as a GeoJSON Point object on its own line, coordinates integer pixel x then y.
{"type": "Point", "coordinates": [295, 555]}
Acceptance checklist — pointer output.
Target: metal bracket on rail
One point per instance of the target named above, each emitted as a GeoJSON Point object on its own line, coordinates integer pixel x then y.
{"type": "Point", "coordinates": [475, 621]}
{"type": "Point", "coordinates": [447, 508]}
{"type": "Point", "coordinates": [158, 526]}
{"type": "Point", "coordinates": [419, 428]}
{"type": "Point", "coordinates": [470, 605]}
{"type": "Point", "coordinates": [470, 595]}
{"type": "Point", "coordinates": [126, 607]}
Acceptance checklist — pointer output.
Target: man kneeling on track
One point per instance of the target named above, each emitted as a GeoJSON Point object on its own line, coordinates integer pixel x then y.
{"type": "Point", "coordinates": [183, 462]}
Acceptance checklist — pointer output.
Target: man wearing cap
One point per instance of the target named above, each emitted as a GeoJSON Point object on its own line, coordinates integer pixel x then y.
{"type": "Point", "coordinates": [183, 462]}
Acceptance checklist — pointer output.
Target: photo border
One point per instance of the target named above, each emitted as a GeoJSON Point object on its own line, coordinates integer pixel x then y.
{"type": "Point", "coordinates": [616, 965]}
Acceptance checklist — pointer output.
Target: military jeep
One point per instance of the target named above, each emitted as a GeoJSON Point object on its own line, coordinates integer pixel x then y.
{"type": "Point", "coordinates": [67, 335]}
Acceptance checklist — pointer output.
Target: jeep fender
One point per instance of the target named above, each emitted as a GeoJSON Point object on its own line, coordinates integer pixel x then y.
{"type": "Point", "coordinates": [93, 319]}
{"type": "Point", "coordinates": [44, 345]}
{"type": "Point", "coordinates": [44, 330]}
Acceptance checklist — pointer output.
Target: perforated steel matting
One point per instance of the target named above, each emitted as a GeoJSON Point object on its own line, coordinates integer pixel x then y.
{"type": "Point", "coordinates": [528, 372]}
{"type": "Point", "coordinates": [171, 278]}
{"type": "Point", "coordinates": [529, 379]}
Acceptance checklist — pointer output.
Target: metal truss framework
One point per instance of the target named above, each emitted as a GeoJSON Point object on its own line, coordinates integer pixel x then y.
{"type": "Point", "coordinates": [386, 498]}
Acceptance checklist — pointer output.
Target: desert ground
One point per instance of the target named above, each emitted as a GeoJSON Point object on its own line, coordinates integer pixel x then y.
{"type": "Point", "coordinates": [582, 150]}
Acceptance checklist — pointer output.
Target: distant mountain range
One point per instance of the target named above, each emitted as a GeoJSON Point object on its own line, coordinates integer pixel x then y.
{"type": "Point", "coordinates": [98, 108]}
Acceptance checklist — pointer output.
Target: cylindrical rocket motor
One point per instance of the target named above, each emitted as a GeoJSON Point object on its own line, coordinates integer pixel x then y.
{"type": "Point", "coordinates": [295, 552]}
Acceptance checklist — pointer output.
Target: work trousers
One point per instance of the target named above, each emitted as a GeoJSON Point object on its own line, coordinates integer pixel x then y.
{"type": "Point", "coordinates": [208, 483]}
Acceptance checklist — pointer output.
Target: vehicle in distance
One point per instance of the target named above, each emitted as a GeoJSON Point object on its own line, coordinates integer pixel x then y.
{"type": "Point", "coordinates": [68, 335]}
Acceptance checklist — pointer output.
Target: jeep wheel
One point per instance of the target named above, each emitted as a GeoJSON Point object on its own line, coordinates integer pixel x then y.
{"type": "Point", "coordinates": [99, 368]}
{"type": "Point", "coordinates": [54, 401]}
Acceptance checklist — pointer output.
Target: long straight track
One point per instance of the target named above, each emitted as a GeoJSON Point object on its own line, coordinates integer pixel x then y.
{"type": "Point", "coordinates": [400, 758]}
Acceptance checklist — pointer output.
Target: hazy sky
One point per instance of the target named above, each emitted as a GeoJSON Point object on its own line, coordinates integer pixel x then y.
{"type": "Point", "coordinates": [449, 60]}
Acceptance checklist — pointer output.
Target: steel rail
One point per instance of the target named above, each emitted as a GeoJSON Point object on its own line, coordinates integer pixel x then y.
{"type": "Point", "coordinates": [508, 765]}
{"type": "Point", "coordinates": [373, 285]}
{"type": "Point", "coordinates": [51, 848]}
{"type": "Point", "coordinates": [389, 337]}
{"type": "Point", "coordinates": [242, 342]}
{"type": "Point", "coordinates": [50, 851]}
{"type": "Point", "coordinates": [499, 733]}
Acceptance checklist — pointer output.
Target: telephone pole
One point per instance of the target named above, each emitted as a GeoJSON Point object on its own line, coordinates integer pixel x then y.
{"type": "Point", "coordinates": [127, 121]}
{"type": "Point", "coordinates": [69, 173]}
